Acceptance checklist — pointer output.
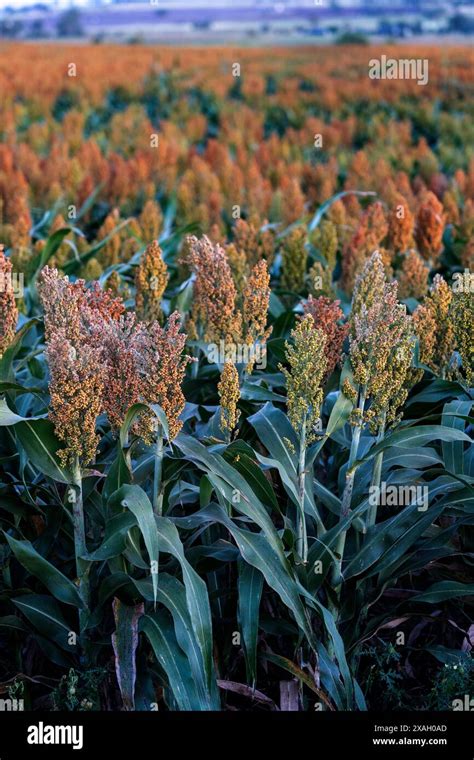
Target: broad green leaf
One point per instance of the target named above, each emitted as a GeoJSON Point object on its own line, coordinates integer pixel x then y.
{"type": "Point", "coordinates": [256, 392]}
{"type": "Point", "coordinates": [136, 500]}
{"type": "Point", "coordinates": [274, 430]}
{"type": "Point", "coordinates": [453, 451]}
{"type": "Point", "coordinates": [196, 594]}
{"type": "Point", "coordinates": [13, 623]}
{"type": "Point", "coordinates": [403, 543]}
{"type": "Point", "coordinates": [118, 475]}
{"type": "Point", "coordinates": [52, 245]}
{"type": "Point", "coordinates": [444, 590]}
{"type": "Point", "coordinates": [257, 551]}
{"type": "Point", "coordinates": [418, 457]}
{"type": "Point", "coordinates": [250, 584]}
{"type": "Point", "coordinates": [230, 482]}
{"type": "Point", "coordinates": [383, 537]}
{"type": "Point", "coordinates": [41, 446]}
{"type": "Point", "coordinates": [44, 613]}
{"type": "Point", "coordinates": [114, 542]}
{"type": "Point", "coordinates": [242, 457]}
{"type": "Point", "coordinates": [415, 436]}
{"type": "Point", "coordinates": [57, 583]}
{"type": "Point", "coordinates": [172, 594]}
{"type": "Point", "coordinates": [7, 417]}
{"type": "Point", "coordinates": [161, 636]}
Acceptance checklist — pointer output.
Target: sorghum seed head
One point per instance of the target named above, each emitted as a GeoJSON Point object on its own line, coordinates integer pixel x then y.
{"type": "Point", "coordinates": [229, 394]}
{"type": "Point", "coordinates": [151, 279]}
{"type": "Point", "coordinates": [307, 367]}
{"type": "Point", "coordinates": [328, 317]}
{"type": "Point", "coordinates": [8, 308]}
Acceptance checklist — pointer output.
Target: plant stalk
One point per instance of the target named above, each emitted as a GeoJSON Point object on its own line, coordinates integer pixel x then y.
{"type": "Point", "coordinates": [80, 547]}
{"type": "Point", "coordinates": [158, 471]}
{"type": "Point", "coordinates": [347, 495]}
{"type": "Point", "coordinates": [301, 532]}
{"type": "Point", "coordinates": [376, 475]}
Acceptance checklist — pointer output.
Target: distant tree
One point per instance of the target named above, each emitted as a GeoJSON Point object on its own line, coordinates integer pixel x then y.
{"type": "Point", "coordinates": [70, 24]}
{"type": "Point", "coordinates": [10, 28]}
{"type": "Point", "coordinates": [352, 38]}
{"type": "Point", "coordinates": [37, 30]}
{"type": "Point", "coordinates": [461, 23]}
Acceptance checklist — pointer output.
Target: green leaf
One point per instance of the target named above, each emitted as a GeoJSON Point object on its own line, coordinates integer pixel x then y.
{"type": "Point", "coordinates": [385, 537]}
{"type": "Point", "coordinates": [273, 428]}
{"type": "Point", "coordinates": [72, 266]}
{"type": "Point", "coordinates": [41, 446]}
{"type": "Point", "coordinates": [44, 613]}
{"type": "Point", "coordinates": [172, 594]}
{"type": "Point", "coordinates": [257, 551]}
{"type": "Point", "coordinates": [228, 481]}
{"type": "Point", "coordinates": [136, 500]}
{"type": "Point", "coordinates": [118, 475]}
{"type": "Point", "coordinates": [13, 623]}
{"type": "Point", "coordinates": [242, 457]}
{"type": "Point", "coordinates": [453, 451]}
{"type": "Point", "coordinates": [52, 245]}
{"type": "Point", "coordinates": [125, 642]}
{"type": "Point", "coordinates": [340, 414]}
{"type": "Point", "coordinates": [9, 354]}
{"type": "Point", "coordinates": [196, 594]}
{"type": "Point", "coordinates": [252, 391]}
{"type": "Point", "coordinates": [114, 542]}
{"type": "Point", "coordinates": [327, 204]}
{"type": "Point", "coordinates": [401, 545]}
{"type": "Point", "coordinates": [250, 584]}
{"type": "Point", "coordinates": [415, 436]}
{"type": "Point", "coordinates": [444, 590]}
{"type": "Point", "coordinates": [57, 583]}
{"type": "Point", "coordinates": [417, 457]}
{"type": "Point", "coordinates": [161, 636]}
{"type": "Point", "coordinates": [7, 417]}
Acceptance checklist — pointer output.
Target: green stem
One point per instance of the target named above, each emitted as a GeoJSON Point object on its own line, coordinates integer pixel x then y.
{"type": "Point", "coordinates": [301, 533]}
{"type": "Point", "coordinates": [80, 548]}
{"type": "Point", "coordinates": [377, 474]}
{"type": "Point", "coordinates": [157, 492]}
{"type": "Point", "coordinates": [336, 577]}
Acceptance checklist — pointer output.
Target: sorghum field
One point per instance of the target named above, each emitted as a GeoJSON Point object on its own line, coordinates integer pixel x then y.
{"type": "Point", "coordinates": [236, 379]}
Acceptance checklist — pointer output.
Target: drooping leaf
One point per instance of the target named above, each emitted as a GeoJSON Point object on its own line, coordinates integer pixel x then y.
{"type": "Point", "coordinates": [41, 446]}
{"type": "Point", "coordinates": [444, 590]}
{"type": "Point", "coordinates": [135, 499]}
{"type": "Point", "coordinates": [44, 613]}
{"type": "Point", "coordinates": [57, 583]}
